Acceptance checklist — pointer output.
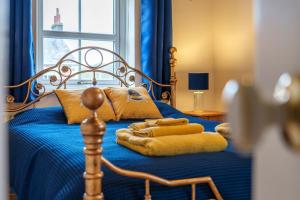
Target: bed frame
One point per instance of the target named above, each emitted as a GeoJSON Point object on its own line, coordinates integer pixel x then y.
{"type": "Point", "coordinates": [93, 129]}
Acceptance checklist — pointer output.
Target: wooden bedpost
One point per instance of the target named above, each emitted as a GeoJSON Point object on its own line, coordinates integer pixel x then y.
{"type": "Point", "coordinates": [173, 79]}
{"type": "Point", "coordinates": [93, 130]}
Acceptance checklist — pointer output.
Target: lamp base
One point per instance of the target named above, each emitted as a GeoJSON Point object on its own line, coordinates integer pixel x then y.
{"type": "Point", "coordinates": [198, 100]}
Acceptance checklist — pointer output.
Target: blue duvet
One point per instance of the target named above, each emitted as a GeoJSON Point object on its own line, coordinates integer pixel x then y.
{"type": "Point", "coordinates": [46, 162]}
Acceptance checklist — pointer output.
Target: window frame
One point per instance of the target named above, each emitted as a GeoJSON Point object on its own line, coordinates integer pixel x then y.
{"type": "Point", "coordinates": [118, 37]}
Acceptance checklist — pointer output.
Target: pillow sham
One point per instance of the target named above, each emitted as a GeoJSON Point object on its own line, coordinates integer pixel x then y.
{"type": "Point", "coordinates": [76, 112]}
{"type": "Point", "coordinates": [132, 103]}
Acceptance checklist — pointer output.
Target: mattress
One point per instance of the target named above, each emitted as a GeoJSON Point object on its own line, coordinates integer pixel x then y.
{"type": "Point", "coordinates": [47, 162]}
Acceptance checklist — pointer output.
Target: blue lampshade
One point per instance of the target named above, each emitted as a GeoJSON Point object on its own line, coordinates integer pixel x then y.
{"type": "Point", "coordinates": [198, 81]}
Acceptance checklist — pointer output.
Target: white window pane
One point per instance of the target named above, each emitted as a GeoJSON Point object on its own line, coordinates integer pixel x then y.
{"type": "Point", "coordinates": [55, 49]}
{"type": "Point", "coordinates": [94, 58]}
{"type": "Point", "coordinates": [97, 16]}
{"type": "Point", "coordinates": [61, 15]}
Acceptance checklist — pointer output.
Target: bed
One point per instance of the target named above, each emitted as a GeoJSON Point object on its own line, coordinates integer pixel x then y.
{"type": "Point", "coordinates": [47, 161]}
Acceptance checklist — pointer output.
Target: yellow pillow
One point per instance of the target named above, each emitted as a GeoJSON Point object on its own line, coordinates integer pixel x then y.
{"type": "Point", "coordinates": [76, 112]}
{"type": "Point", "coordinates": [132, 103]}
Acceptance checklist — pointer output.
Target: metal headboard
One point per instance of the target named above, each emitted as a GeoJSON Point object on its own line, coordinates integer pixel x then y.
{"type": "Point", "coordinates": [61, 73]}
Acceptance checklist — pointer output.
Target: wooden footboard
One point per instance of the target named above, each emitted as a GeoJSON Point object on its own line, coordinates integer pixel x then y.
{"type": "Point", "coordinates": [93, 130]}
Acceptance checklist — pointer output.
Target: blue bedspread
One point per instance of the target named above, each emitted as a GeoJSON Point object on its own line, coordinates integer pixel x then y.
{"type": "Point", "coordinates": [47, 162]}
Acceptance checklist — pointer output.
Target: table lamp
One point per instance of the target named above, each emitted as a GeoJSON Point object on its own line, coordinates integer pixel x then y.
{"type": "Point", "coordinates": [198, 82]}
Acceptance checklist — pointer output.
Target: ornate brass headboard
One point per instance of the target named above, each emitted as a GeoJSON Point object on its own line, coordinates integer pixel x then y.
{"type": "Point", "coordinates": [61, 73]}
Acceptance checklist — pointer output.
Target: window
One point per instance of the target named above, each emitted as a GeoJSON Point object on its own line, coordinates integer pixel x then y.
{"type": "Point", "coordinates": [64, 25]}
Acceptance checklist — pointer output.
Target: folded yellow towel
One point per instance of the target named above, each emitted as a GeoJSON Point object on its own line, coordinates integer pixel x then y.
{"type": "Point", "coordinates": [172, 145]}
{"type": "Point", "coordinates": [224, 129]}
{"type": "Point", "coordinates": [169, 121]}
{"type": "Point", "coordinates": [158, 122]}
{"type": "Point", "coordinates": [140, 125]}
{"type": "Point", "coordinates": [169, 130]}
{"type": "Point", "coordinates": [127, 135]}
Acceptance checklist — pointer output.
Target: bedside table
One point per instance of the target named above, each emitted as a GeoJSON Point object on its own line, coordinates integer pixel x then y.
{"type": "Point", "coordinates": [207, 114]}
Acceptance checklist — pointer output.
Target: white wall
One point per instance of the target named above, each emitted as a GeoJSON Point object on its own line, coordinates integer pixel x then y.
{"type": "Point", "coordinates": [4, 39]}
{"type": "Point", "coordinates": [214, 36]}
{"type": "Point", "coordinates": [277, 174]}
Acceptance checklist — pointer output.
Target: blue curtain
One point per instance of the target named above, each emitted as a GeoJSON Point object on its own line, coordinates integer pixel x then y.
{"type": "Point", "coordinates": [156, 40]}
{"type": "Point", "coordinates": [21, 52]}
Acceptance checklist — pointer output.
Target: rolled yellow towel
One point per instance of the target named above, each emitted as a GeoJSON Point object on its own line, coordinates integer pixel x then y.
{"type": "Point", "coordinates": [158, 122]}
{"type": "Point", "coordinates": [158, 131]}
{"type": "Point", "coordinates": [173, 145]}
{"type": "Point", "coordinates": [224, 129]}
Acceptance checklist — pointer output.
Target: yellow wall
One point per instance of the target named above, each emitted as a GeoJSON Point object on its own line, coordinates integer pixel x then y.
{"type": "Point", "coordinates": [193, 37]}
{"type": "Point", "coordinates": [233, 43]}
{"type": "Point", "coordinates": [214, 36]}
